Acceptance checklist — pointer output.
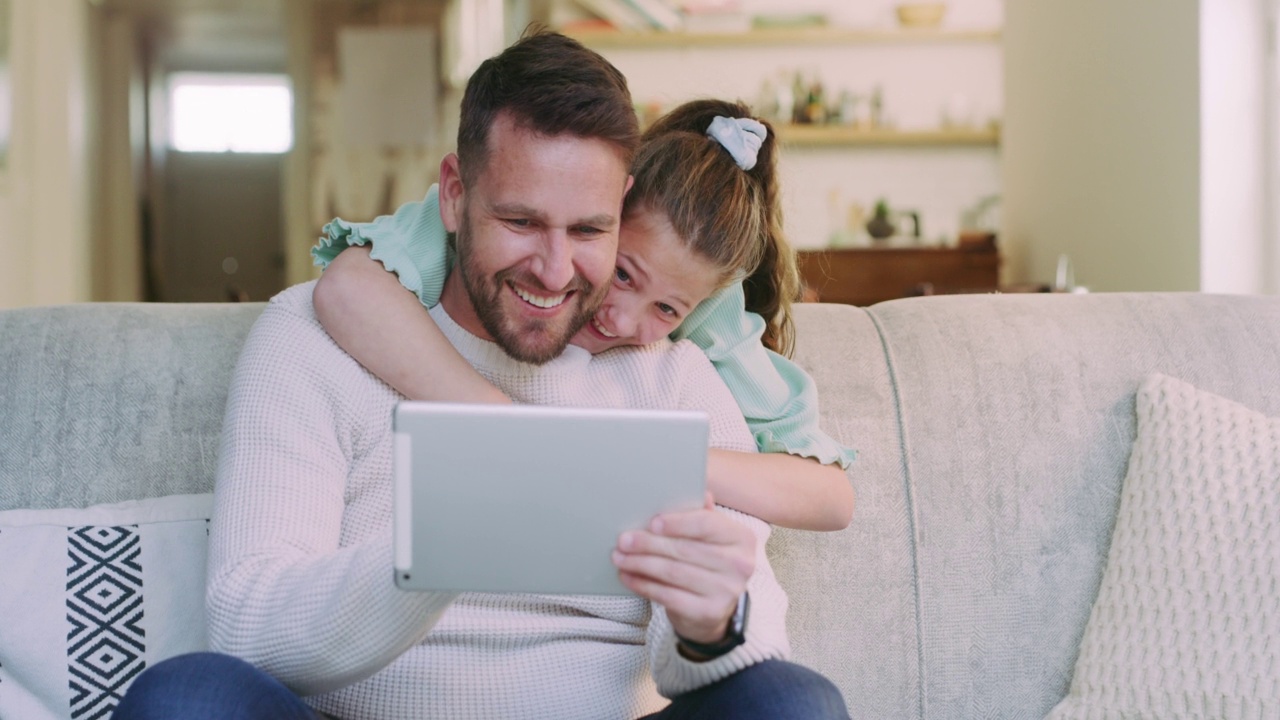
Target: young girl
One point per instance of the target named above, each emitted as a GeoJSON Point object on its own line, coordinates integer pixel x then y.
{"type": "Point", "coordinates": [705, 197]}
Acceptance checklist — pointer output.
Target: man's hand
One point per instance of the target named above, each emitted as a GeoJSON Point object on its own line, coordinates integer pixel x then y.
{"type": "Point", "coordinates": [695, 564]}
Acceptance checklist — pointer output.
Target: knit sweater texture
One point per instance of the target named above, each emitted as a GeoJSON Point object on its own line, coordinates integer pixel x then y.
{"type": "Point", "coordinates": [300, 566]}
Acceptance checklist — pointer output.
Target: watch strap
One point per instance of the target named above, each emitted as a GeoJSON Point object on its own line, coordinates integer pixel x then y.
{"type": "Point", "coordinates": [735, 635]}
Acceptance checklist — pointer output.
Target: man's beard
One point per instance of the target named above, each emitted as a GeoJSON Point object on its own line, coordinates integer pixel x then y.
{"type": "Point", "coordinates": [537, 341]}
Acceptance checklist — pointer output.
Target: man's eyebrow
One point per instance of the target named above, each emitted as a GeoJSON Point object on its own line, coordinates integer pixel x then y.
{"type": "Point", "coordinates": [513, 209]}
{"type": "Point", "coordinates": [601, 220]}
{"type": "Point", "coordinates": [519, 210]}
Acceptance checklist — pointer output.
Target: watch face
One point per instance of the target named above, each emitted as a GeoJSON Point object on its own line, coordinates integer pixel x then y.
{"type": "Point", "coordinates": [738, 626]}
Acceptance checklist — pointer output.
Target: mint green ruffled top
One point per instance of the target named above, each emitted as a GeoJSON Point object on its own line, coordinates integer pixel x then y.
{"type": "Point", "coordinates": [777, 398]}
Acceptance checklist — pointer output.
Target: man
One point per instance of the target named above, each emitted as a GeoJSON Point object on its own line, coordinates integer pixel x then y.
{"type": "Point", "coordinates": [300, 557]}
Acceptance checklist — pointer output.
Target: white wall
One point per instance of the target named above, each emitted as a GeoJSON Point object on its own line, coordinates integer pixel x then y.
{"type": "Point", "coordinates": [299, 232]}
{"type": "Point", "coordinates": [1143, 144]}
{"type": "Point", "coordinates": [117, 245]}
{"type": "Point", "coordinates": [1272, 194]}
{"type": "Point", "coordinates": [46, 196]}
{"type": "Point", "coordinates": [1234, 149]}
{"type": "Point", "coordinates": [1102, 142]}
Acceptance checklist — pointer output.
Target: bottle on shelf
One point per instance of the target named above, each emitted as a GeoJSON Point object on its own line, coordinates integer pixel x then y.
{"type": "Point", "coordinates": [799, 99]}
{"type": "Point", "coordinates": [766, 105]}
{"type": "Point", "coordinates": [815, 110]}
{"type": "Point", "coordinates": [876, 105]}
{"type": "Point", "coordinates": [784, 101]}
{"type": "Point", "coordinates": [846, 108]}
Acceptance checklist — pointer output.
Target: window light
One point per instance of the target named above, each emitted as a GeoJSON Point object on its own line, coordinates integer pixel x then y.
{"type": "Point", "coordinates": [230, 113]}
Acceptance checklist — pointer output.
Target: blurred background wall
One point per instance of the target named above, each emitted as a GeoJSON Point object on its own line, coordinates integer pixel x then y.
{"type": "Point", "coordinates": [1139, 140]}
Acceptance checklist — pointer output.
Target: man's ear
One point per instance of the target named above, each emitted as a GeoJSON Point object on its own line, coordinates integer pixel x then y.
{"type": "Point", "coordinates": [451, 192]}
{"type": "Point", "coordinates": [631, 180]}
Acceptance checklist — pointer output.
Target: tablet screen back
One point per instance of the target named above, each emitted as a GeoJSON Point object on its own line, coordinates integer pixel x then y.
{"type": "Point", "coordinates": [523, 498]}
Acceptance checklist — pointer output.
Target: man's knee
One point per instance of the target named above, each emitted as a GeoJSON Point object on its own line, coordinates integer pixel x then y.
{"type": "Point", "coordinates": [778, 690]}
{"type": "Point", "coordinates": [810, 693]}
{"type": "Point", "coordinates": [205, 684]}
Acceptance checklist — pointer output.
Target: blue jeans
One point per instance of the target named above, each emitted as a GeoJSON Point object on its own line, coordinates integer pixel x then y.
{"type": "Point", "coordinates": [205, 686]}
{"type": "Point", "coordinates": [771, 690]}
{"type": "Point", "coordinates": [210, 686]}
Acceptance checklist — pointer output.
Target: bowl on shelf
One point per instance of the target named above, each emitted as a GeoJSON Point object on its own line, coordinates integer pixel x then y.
{"type": "Point", "coordinates": [920, 15]}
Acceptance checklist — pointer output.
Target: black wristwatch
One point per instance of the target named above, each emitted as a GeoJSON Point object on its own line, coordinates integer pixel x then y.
{"type": "Point", "coordinates": [733, 637]}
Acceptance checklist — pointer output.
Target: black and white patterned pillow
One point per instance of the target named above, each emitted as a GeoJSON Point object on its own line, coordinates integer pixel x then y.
{"type": "Point", "coordinates": [93, 596]}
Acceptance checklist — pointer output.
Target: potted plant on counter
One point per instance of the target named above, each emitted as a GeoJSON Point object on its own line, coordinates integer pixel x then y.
{"type": "Point", "coordinates": [880, 227]}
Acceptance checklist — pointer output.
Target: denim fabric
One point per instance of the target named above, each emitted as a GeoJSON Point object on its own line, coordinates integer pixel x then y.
{"type": "Point", "coordinates": [771, 690]}
{"type": "Point", "coordinates": [210, 686]}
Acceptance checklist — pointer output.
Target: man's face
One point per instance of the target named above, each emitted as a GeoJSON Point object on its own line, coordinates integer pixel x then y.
{"type": "Point", "coordinates": [537, 237]}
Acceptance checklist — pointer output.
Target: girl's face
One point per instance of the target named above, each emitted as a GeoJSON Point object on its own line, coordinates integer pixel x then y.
{"type": "Point", "coordinates": [657, 283]}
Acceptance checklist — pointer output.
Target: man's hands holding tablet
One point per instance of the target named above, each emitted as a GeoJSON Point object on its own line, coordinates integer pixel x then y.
{"type": "Point", "coordinates": [695, 564]}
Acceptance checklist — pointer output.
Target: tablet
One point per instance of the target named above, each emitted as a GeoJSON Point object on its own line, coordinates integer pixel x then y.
{"type": "Point", "coordinates": [524, 498]}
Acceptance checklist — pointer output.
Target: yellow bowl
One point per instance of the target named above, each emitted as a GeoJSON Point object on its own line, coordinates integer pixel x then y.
{"type": "Point", "coordinates": [921, 14]}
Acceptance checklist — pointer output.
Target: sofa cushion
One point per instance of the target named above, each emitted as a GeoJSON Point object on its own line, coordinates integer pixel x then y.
{"type": "Point", "coordinates": [92, 596]}
{"type": "Point", "coordinates": [1186, 621]}
{"type": "Point", "coordinates": [1017, 421]}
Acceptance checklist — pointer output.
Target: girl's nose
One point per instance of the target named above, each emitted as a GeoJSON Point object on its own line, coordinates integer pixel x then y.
{"type": "Point", "coordinates": [620, 319]}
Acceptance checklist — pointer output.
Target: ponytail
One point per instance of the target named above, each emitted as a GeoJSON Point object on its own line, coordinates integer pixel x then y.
{"type": "Point", "coordinates": [775, 283]}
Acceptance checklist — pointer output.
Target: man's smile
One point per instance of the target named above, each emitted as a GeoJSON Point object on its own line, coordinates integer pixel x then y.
{"type": "Point", "coordinates": [541, 301]}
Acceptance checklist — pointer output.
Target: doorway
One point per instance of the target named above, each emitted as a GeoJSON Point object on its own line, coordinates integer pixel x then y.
{"type": "Point", "coordinates": [219, 129]}
{"type": "Point", "coordinates": [221, 223]}
{"type": "Point", "coordinates": [222, 237]}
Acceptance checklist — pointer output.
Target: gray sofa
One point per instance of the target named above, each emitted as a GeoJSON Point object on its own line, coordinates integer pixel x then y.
{"type": "Point", "coordinates": [993, 431]}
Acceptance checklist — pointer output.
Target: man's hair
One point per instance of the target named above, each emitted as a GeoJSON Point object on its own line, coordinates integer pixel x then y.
{"type": "Point", "coordinates": [549, 84]}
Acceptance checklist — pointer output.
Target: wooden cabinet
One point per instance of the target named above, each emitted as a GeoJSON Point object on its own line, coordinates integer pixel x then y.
{"type": "Point", "coordinates": [865, 276]}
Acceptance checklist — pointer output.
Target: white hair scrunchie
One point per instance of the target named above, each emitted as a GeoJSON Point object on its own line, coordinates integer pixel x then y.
{"type": "Point", "coordinates": [742, 137]}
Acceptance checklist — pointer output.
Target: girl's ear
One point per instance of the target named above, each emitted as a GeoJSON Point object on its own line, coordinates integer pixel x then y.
{"type": "Point", "coordinates": [631, 181]}
{"type": "Point", "coordinates": [451, 192]}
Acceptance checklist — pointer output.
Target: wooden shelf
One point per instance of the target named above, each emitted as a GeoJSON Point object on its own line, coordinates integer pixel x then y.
{"type": "Point", "coordinates": [601, 39]}
{"type": "Point", "coordinates": [840, 136]}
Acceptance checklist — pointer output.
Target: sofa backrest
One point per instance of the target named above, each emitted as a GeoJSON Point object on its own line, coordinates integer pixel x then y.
{"type": "Point", "coordinates": [104, 402]}
{"type": "Point", "coordinates": [998, 466]}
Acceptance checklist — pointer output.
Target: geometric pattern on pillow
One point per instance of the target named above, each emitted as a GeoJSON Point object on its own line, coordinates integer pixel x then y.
{"type": "Point", "coordinates": [1187, 619]}
{"type": "Point", "coordinates": [91, 596]}
{"type": "Point", "coordinates": [106, 645]}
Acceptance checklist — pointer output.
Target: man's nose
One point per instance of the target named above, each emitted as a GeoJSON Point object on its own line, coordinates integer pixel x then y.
{"type": "Point", "coordinates": [554, 265]}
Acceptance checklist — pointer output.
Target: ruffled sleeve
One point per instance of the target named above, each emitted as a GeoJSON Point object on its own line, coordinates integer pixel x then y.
{"type": "Point", "coordinates": [411, 243]}
{"type": "Point", "coordinates": [778, 399]}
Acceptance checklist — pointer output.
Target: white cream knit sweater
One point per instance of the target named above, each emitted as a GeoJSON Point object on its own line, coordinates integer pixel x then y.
{"type": "Point", "coordinates": [300, 566]}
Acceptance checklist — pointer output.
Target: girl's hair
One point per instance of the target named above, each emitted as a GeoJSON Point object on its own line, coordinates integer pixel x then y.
{"type": "Point", "coordinates": [728, 215]}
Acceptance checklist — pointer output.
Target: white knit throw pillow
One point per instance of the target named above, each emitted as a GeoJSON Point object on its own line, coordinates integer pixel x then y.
{"type": "Point", "coordinates": [1187, 621]}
